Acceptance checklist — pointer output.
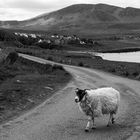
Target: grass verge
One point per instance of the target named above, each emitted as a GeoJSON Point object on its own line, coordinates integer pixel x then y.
{"type": "Point", "coordinates": [25, 84]}
{"type": "Point", "coordinates": [125, 69]}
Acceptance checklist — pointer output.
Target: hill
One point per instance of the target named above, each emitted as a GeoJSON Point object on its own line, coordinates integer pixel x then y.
{"type": "Point", "coordinates": [82, 19]}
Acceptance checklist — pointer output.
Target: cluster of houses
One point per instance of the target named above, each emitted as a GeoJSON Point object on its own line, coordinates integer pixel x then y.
{"type": "Point", "coordinates": [25, 35]}
{"type": "Point", "coordinates": [54, 39]}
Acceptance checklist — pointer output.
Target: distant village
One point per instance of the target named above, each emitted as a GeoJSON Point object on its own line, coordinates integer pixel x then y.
{"type": "Point", "coordinates": [56, 39]}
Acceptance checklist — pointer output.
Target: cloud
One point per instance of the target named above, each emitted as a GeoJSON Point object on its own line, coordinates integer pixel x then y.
{"type": "Point", "coordinates": [24, 9]}
{"type": "Point", "coordinates": [38, 4]}
{"type": "Point", "coordinates": [25, 4]}
{"type": "Point", "coordinates": [55, 4]}
{"type": "Point", "coordinates": [34, 4]}
{"type": "Point", "coordinates": [18, 14]}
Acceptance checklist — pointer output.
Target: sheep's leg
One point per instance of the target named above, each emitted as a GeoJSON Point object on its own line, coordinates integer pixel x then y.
{"type": "Point", "coordinates": [94, 126]}
{"type": "Point", "coordinates": [113, 119]}
{"type": "Point", "coordinates": [88, 124]}
{"type": "Point", "coordinates": [110, 119]}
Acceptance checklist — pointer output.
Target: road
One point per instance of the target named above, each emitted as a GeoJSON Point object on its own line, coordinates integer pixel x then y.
{"type": "Point", "coordinates": [59, 118]}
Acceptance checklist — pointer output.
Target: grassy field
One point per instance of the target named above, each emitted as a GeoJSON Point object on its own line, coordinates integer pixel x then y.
{"type": "Point", "coordinates": [118, 46]}
{"type": "Point", "coordinates": [62, 54]}
{"type": "Point", "coordinates": [25, 84]}
{"type": "Point", "coordinates": [125, 69]}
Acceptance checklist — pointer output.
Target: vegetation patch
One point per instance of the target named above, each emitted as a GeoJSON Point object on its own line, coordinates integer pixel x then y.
{"type": "Point", "coordinates": [48, 47]}
{"type": "Point", "coordinates": [24, 84]}
{"type": "Point", "coordinates": [125, 69]}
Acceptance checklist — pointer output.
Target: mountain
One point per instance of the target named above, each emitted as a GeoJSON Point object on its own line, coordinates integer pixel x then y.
{"type": "Point", "coordinates": [82, 19]}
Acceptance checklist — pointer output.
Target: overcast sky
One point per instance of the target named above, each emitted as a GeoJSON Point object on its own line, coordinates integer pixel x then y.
{"type": "Point", "coordinates": [24, 9]}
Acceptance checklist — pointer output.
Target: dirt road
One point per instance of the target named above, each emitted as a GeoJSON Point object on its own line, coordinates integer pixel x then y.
{"type": "Point", "coordinates": [59, 117]}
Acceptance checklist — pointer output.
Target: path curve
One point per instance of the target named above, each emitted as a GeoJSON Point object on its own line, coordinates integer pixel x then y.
{"type": "Point", "coordinates": [59, 118]}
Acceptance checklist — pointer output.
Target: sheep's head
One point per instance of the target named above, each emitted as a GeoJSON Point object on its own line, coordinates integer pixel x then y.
{"type": "Point", "coordinates": [79, 94]}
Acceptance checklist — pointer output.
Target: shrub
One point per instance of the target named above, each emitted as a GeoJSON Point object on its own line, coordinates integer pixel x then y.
{"type": "Point", "coordinates": [125, 73]}
{"type": "Point", "coordinates": [50, 58]}
{"type": "Point", "coordinates": [41, 68]}
{"type": "Point", "coordinates": [87, 66]}
{"type": "Point", "coordinates": [12, 57]}
{"type": "Point", "coordinates": [61, 61]}
{"type": "Point", "coordinates": [43, 45]}
{"type": "Point", "coordinates": [7, 36]}
{"type": "Point", "coordinates": [111, 70]}
{"type": "Point", "coordinates": [135, 73]}
{"type": "Point", "coordinates": [27, 40]}
{"type": "Point", "coordinates": [80, 64]}
{"type": "Point", "coordinates": [57, 67]}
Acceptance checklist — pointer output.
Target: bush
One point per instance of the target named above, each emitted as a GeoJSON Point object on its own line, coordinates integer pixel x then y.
{"type": "Point", "coordinates": [27, 40]}
{"type": "Point", "coordinates": [12, 57]}
{"type": "Point", "coordinates": [57, 67]}
{"type": "Point", "coordinates": [125, 73]}
{"type": "Point", "coordinates": [7, 36]}
{"type": "Point", "coordinates": [80, 64]}
{"type": "Point", "coordinates": [87, 66]}
{"type": "Point", "coordinates": [43, 45]}
{"type": "Point", "coordinates": [111, 70]}
{"type": "Point", "coordinates": [50, 58]}
{"type": "Point", "coordinates": [135, 73]}
{"type": "Point", "coordinates": [41, 68]}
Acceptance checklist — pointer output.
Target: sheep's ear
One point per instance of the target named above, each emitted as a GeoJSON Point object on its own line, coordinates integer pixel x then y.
{"type": "Point", "coordinates": [85, 90]}
{"type": "Point", "coordinates": [77, 89]}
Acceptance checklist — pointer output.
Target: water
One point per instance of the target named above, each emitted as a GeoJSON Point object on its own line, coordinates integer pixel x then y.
{"type": "Point", "coordinates": [125, 57]}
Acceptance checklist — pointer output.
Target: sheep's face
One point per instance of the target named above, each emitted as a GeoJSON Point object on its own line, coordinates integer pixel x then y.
{"type": "Point", "coordinates": [79, 95]}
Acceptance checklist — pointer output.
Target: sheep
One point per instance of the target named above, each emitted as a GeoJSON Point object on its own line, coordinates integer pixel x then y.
{"type": "Point", "coordinates": [98, 102]}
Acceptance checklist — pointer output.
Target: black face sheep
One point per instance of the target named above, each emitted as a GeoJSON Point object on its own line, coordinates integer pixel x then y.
{"type": "Point", "coordinates": [95, 103]}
